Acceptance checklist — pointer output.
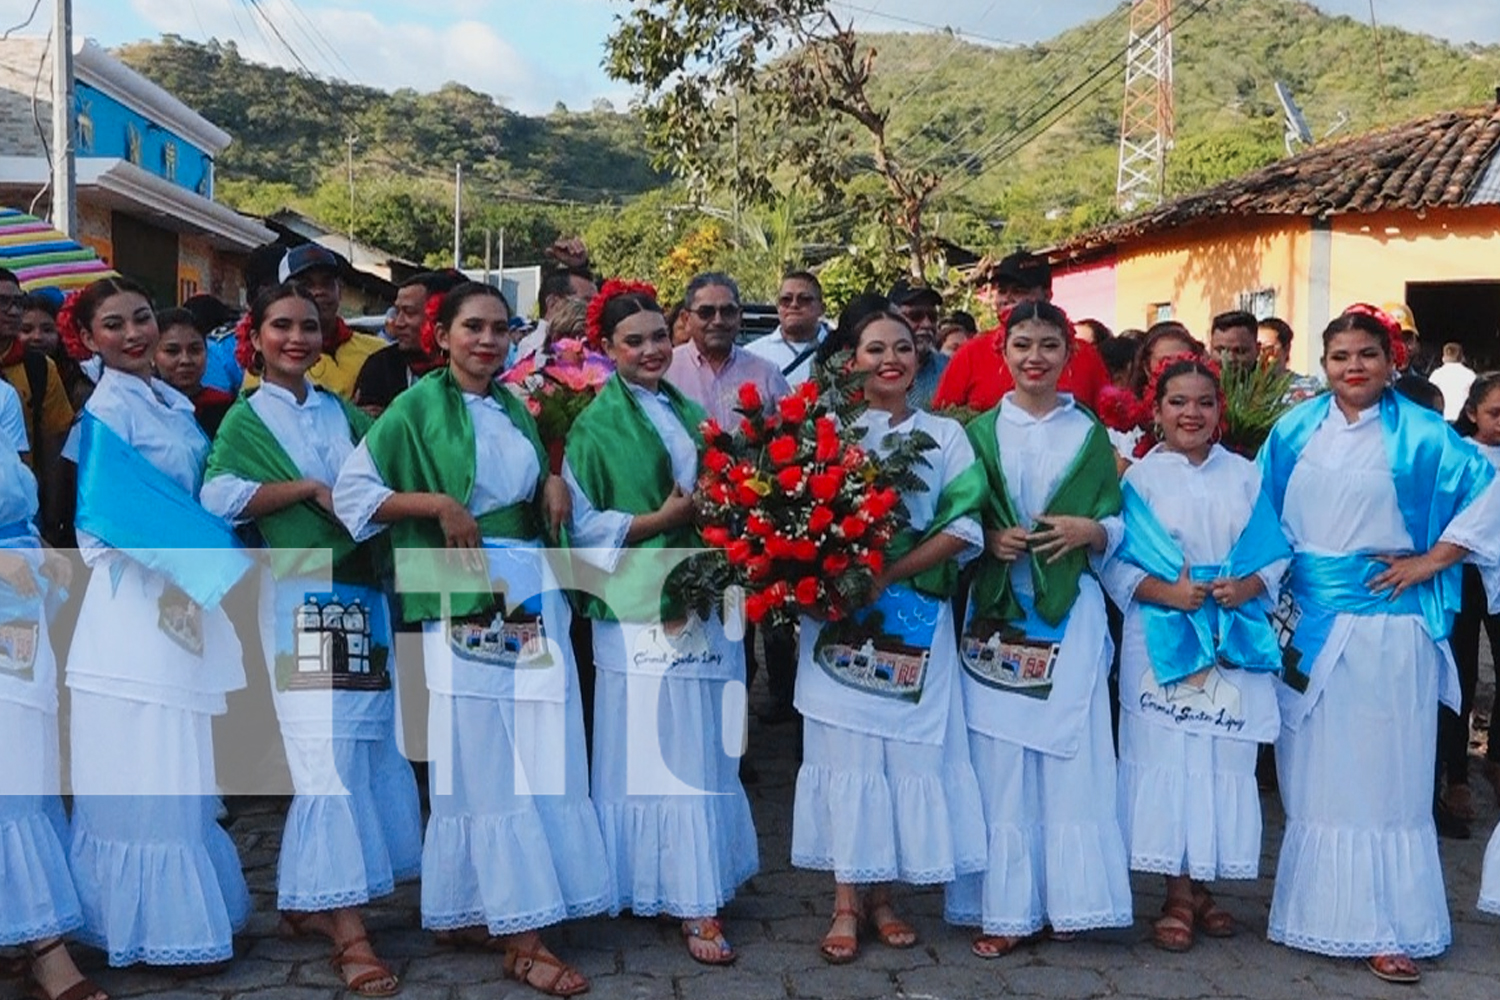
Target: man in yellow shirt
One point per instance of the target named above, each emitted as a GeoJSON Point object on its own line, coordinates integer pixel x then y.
{"type": "Point", "coordinates": [315, 269]}
{"type": "Point", "coordinates": [31, 376]}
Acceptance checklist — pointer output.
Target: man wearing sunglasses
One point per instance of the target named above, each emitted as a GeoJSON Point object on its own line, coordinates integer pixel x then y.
{"type": "Point", "coordinates": [921, 306]}
{"type": "Point", "coordinates": [791, 346]}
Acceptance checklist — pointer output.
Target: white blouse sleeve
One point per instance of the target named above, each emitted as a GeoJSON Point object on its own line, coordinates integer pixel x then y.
{"type": "Point", "coordinates": [1120, 580]}
{"type": "Point", "coordinates": [358, 494]}
{"type": "Point", "coordinates": [599, 535]}
{"type": "Point", "coordinates": [1114, 534]}
{"type": "Point", "coordinates": [1475, 526]}
{"type": "Point", "coordinates": [227, 496]}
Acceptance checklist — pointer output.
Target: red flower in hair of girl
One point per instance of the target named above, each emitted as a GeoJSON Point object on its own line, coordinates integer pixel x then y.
{"type": "Point", "coordinates": [1153, 390]}
{"type": "Point", "coordinates": [1399, 354]}
{"type": "Point", "coordinates": [430, 323]}
{"type": "Point", "coordinates": [68, 330]}
{"type": "Point", "coordinates": [244, 350]}
{"type": "Point", "coordinates": [593, 322]}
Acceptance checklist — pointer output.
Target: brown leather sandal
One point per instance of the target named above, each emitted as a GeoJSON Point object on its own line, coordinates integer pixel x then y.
{"type": "Point", "coordinates": [519, 963]}
{"type": "Point", "coordinates": [377, 981]}
{"type": "Point", "coordinates": [891, 932]}
{"type": "Point", "coordinates": [711, 930]}
{"type": "Point", "coordinates": [81, 990]}
{"type": "Point", "coordinates": [1213, 919]}
{"type": "Point", "coordinates": [988, 946]}
{"type": "Point", "coordinates": [841, 949]}
{"type": "Point", "coordinates": [1173, 930]}
{"type": "Point", "coordinates": [1394, 968]}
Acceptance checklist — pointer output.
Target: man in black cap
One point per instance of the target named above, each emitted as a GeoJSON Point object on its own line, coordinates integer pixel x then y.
{"type": "Point", "coordinates": [316, 270]}
{"type": "Point", "coordinates": [921, 305]}
{"type": "Point", "coordinates": [977, 376]}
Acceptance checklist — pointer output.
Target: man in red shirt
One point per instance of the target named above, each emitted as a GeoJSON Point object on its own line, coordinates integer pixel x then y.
{"type": "Point", "coordinates": [976, 376]}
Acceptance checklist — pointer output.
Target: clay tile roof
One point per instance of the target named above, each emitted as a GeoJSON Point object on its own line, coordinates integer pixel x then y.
{"type": "Point", "coordinates": [1435, 161]}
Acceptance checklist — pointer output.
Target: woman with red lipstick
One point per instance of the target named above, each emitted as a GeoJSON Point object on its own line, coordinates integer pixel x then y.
{"type": "Point", "coordinates": [676, 822]}
{"type": "Point", "coordinates": [152, 657]}
{"type": "Point", "coordinates": [1381, 501]}
{"type": "Point", "coordinates": [886, 792]}
{"type": "Point", "coordinates": [1196, 576]}
{"type": "Point", "coordinates": [455, 468]}
{"type": "Point", "coordinates": [1035, 653]}
{"type": "Point", "coordinates": [354, 827]}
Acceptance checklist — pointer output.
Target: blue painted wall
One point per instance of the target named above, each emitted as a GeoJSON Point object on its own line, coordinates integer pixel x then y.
{"type": "Point", "coordinates": [107, 128]}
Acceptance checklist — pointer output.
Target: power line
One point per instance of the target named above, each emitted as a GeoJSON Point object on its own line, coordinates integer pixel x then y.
{"type": "Point", "coordinates": [1002, 42]}
{"type": "Point", "coordinates": [938, 62]}
{"type": "Point", "coordinates": [24, 24]}
{"type": "Point", "coordinates": [997, 154]}
{"type": "Point", "coordinates": [320, 44]}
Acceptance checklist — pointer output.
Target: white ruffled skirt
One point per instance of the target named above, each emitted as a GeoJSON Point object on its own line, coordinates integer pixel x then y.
{"type": "Point", "coordinates": [1055, 852]}
{"type": "Point", "coordinates": [158, 878]}
{"type": "Point", "coordinates": [37, 898]}
{"type": "Point", "coordinates": [676, 822]}
{"type": "Point", "coordinates": [872, 809]}
{"type": "Point", "coordinates": [1359, 872]}
{"type": "Point", "coordinates": [1489, 884]}
{"type": "Point", "coordinates": [513, 841]}
{"type": "Point", "coordinates": [1189, 802]}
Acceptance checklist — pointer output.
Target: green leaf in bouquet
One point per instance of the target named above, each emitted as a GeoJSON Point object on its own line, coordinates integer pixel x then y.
{"type": "Point", "coordinates": [1255, 397]}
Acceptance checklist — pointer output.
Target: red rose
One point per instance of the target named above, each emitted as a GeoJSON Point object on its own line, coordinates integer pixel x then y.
{"type": "Point", "coordinates": [874, 559]}
{"type": "Point", "coordinates": [716, 535]}
{"type": "Point", "coordinates": [757, 525]}
{"type": "Point", "coordinates": [747, 428]}
{"type": "Point", "coordinates": [778, 547]}
{"type": "Point", "coordinates": [782, 449]}
{"type": "Point", "coordinates": [790, 478]}
{"type": "Point", "coordinates": [879, 503]}
{"type": "Point", "coordinates": [804, 550]}
{"type": "Point", "coordinates": [738, 551]}
{"type": "Point", "coordinates": [711, 429]}
{"type": "Point", "coordinates": [835, 564]}
{"type": "Point", "coordinates": [740, 473]}
{"type": "Point", "coordinates": [824, 486]}
{"type": "Point", "coordinates": [745, 496]}
{"type": "Point", "coordinates": [750, 398]}
{"type": "Point", "coordinates": [719, 493]}
{"type": "Point", "coordinates": [807, 591]}
{"type": "Point", "coordinates": [716, 460]}
{"type": "Point", "coordinates": [756, 608]}
{"type": "Point", "coordinates": [808, 392]}
{"type": "Point", "coordinates": [793, 409]}
{"type": "Point", "coordinates": [853, 527]}
{"type": "Point", "coordinates": [757, 568]}
{"type": "Point", "coordinates": [827, 449]}
{"type": "Point", "coordinates": [821, 517]}
{"type": "Point", "coordinates": [777, 593]}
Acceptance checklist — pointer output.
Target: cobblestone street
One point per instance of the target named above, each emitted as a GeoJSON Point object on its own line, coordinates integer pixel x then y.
{"type": "Point", "coordinates": [777, 920]}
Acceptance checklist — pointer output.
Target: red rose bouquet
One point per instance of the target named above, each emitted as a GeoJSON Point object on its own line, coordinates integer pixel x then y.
{"type": "Point", "coordinates": [801, 511]}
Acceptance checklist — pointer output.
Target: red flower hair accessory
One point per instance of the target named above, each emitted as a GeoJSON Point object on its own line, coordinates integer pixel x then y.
{"type": "Point", "coordinates": [1399, 354]}
{"type": "Point", "coordinates": [68, 330]}
{"type": "Point", "coordinates": [613, 288]}
{"type": "Point", "coordinates": [1199, 362]}
{"type": "Point", "coordinates": [244, 349]}
{"type": "Point", "coordinates": [430, 323]}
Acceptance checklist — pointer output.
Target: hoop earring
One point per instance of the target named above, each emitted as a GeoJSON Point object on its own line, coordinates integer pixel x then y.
{"type": "Point", "coordinates": [258, 363]}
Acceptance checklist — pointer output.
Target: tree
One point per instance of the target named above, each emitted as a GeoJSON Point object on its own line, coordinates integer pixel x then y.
{"type": "Point", "coordinates": [740, 93]}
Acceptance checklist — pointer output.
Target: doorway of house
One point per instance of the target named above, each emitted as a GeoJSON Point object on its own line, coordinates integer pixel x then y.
{"type": "Point", "coordinates": [1467, 312]}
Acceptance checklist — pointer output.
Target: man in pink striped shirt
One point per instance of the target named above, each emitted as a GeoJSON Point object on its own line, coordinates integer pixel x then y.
{"type": "Point", "coordinates": [710, 368]}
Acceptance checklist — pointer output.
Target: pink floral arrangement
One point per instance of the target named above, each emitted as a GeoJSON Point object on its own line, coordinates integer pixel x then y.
{"type": "Point", "coordinates": [556, 385]}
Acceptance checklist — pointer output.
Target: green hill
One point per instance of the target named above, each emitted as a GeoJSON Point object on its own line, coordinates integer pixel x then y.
{"type": "Point", "coordinates": [973, 113]}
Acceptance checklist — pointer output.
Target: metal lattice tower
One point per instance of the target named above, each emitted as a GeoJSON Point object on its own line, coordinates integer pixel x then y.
{"type": "Point", "coordinates": [1146, 124]}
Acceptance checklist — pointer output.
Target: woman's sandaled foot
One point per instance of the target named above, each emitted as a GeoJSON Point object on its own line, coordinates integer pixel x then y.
{"type": "Point", "coordinates": [706, 941]}
{"type": "Point", "coordinates": [1394, 968]}
{"type": "Point", "coordinates": [1173, 930]}
{"type": "Point", "coordinates": [892, 931]}
{"type": "Point", "coordinates": [1212, 919]}
{"type": "Point", "coordinates": [363, 973]}
{"type": "Point", "coordinates": [55, 977]}
{"type": "Point", "coordinates": [840, 945]}
{"type": "Point", "coordinates": [995, 945]}
{"type": "Point", "coordinates": [295, 924]}
{"type": "Point", "coordinates": [527, 960]}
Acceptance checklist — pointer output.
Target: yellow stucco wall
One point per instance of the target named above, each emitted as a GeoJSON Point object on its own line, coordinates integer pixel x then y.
{"type": "Point", "coordinates": [1374, 256]}
{"type": "Point", "coordinates": [1203, 271]}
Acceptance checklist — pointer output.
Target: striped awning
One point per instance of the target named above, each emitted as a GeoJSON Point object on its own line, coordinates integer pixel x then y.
{"type": "Point", "coordinates": [42, 257]}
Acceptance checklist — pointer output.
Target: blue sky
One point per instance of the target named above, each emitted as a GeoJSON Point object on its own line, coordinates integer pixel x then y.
{"type": "Point", "coordinates": [534, 53]}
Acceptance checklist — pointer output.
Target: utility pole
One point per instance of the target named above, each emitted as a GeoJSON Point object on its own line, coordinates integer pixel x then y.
{"type": "Point", "coordinates": [351, 140]}
{"type": "Point", "coordinates": [64, 171]}
{"type": "Point", "coordinates": [458, 214]}
{"type": "Point", "coordinates": [734, 239]}
{"type": "Point", "coordinates": [489, 240]}
{"type": "Point", "coordinates": [1147, 121]}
